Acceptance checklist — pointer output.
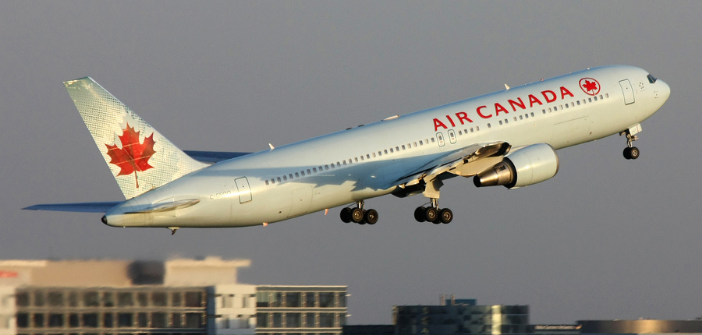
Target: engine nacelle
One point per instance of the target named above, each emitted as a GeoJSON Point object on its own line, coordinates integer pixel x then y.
{"type": "Point", "coordinates": [526, 166]}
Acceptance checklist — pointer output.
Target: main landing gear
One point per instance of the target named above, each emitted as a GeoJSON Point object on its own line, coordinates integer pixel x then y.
{"type": "Point", "coordinates": [631, 152]}
{"type": "Point", "coordinates": [433, 213]}
{"type": "Point", "coordinates": [359, 215]}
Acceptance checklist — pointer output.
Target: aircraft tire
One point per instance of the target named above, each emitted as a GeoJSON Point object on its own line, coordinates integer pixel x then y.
{"type": "Point", "coordinates": [627, 153]}
{"type": "Point", "coordinates": [419, 214]}
{"type": "Point", "coordinates": [634, 153]}
{"type": "Point", "coordinates": [431, 214]}
{"type": "Point", "coordinates": [446, 216]}
{"type": "Point", "coordinates": [357, 215]}
{"type": "Point", "coordinates": [371, 216]}
{"type": "Point", "coordinates": [345, 215]}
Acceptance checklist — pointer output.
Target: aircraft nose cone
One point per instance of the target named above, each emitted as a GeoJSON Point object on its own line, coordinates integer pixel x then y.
{"type": "Point", "coordinates": [663, 90]}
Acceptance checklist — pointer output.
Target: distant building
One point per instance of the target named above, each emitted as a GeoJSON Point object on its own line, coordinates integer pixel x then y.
{"type": "Point", "coordinates": [179, 296]}
{"type": "Point", "coordinates": [369, 330]}
{"type": "Point", "coordinates": [461, 317]}
{"type": "Point", "coordinates": [555, 329]}
{"type": "Point", "coordinates": [641, 326]}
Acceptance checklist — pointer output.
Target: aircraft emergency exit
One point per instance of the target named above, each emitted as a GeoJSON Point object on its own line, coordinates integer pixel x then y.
{"type": "Point", "coordinates": [507, 138]}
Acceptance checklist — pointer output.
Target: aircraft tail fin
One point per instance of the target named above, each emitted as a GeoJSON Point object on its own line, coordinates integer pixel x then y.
{"type": "Point", "coordinates": [139, 157]}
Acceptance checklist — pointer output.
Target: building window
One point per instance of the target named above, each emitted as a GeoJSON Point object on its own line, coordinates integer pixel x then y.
{"type": "Point", "coordinates": [107, 320]}
{"type": "Point", "coordinates": [158, 320]}
{"type": "Point", "coordinates": [56, 320]}
{"type": "Point", "coordinates": [22, 320]}
{"type": "Point", "coordinates": [73, 320]}
{"type": "Point", "coordinates": [309, 299]}
{"type": "Point", "coordinates": [143, 299]}
{"type": "Point", "coordinates": [262, 320]}
{"type": "Point", "coordinates": [193, 320]}
{"type": "Point", "coordinates": [91, 299]}
{"type": "Point", "coordinates": [90, 320]}
{"type": "Point", "coordinates": [309, 320]}
{"type": "Point", "coordinates": [55, 298]}
{"type": "Point", "coordinates": [292, 320]}
{"type": "Point", "coordinates": [262, 299]}
{"type": "Point", "coordinates": [326, 320]}
{"type": "Point", "coordinates": [193, 299]}
{"type": "Point", "coordinates": [108, 299]}
{"type": "Point", "coordinates": [341, 299]}
{"type": "Point", "coordinates": [277, 320]}
{"type": "Point", "coordinates": [326, 299]}
{"type": "Point", "coordinates": [177, 320]}
{"type": "Point", "coordinates": [39, 299]}
{"type": "Point", "coordinates": [143, 320]}
{"type": "Point", "coordinates": [124, 319]}
{"type": "Point", "coordinates": [292, 299]}
{"type": "Point", "coordinates": [22, 299]}
{"type": "Point", "coordinates": [158, 299]}
{"type": "Point", "coordinates": [124, 299]}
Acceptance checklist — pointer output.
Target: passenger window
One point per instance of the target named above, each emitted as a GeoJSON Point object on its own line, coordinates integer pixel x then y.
{"type": "Point", "coordinates": [500, 122]}
{"type": "Point", "coordinates": [471, 130]}
{"type": "Point", "coordinates": [432, 140]}
{"type": "Point", "coordinates": [380, 153]}
{"type": "Point", "coordinates": [506, 121]}
{"type": "Point", "coordinates": [291, 176]}
{"type": "Point", "coordinates": [415, 144]}
{"type": "Point", "coordinates": [356, 159]}
{"type": "Point", "coordinates": [344, 162]}
{"type": "Point", "coordinates": [521, 117]}
{"type": "Point", "coordinates": [315, 169]}
{"type": "Point", "coordinates": [477, 128]}
{"type": "Point", "coordinates": [368, 156]}
{"type": "Point", "coordinates": [421, 143]}
{"type": "Point", "coordinates": [589, 99]}
{"type": "Point", "coordinates": [489, 125]}
{"type": "Point", "coordinates": [555, 109]}
{"type": "Point", "coordinates": [297, 175]}
{"type": "Point", "coordinates": [337, 164]}
{"type": "Point", "coordinates": [460, 133]}
{"type": "Point", "coordinates": [279, 179]}
{"type": "Point", "coordinates": [578, 102]}
{"type": "Point", "coordinates": [567, 106]}
{"type": "Point", "coordinates": [403, 147]}
{"type": "Point", "coordinates": [326, 167]}
{"type": "Point", "coordinates": [362, 159]}
{"type": "Point", "coordinates": [302, 173]}
{"type": "Point", "coordinates": [595, 98]}
{"type": "Point", "coordinates": [397, 148]}
{"type": "Point", "coordinates": [285, 178]}
{"type": "Point", "coordinates": [309, 172]}
{"type": "Point", "coordinates": [273, 181]}
{"type": "Point", "coordinates": [543, 111]}
{"type": "Point", "coordinates": [606, 95]}
{"type": "Point", "coordinates": [515, 119]}
{"type": "Point", "coordinates": [386, 151]}
{"type": "Point", "coordinates": [532, 114]}
{"type": "Point", "coordinates": [266, 182]}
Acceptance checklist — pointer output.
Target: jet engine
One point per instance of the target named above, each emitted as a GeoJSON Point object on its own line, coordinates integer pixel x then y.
{"type": "Point", "coordinates": [526, 166]}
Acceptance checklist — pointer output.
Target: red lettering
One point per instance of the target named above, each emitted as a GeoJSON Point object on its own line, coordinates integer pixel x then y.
{"type": "Point", "coordinates": [450, 120]}
{"type": "Point", "coordinates": [564, 92]}
{"type": "Point", "coordinates": [481, 114]}
{"type": "Point", "coordinates": [520, 104]}
{"type": "Point", "coordinates": [463, 116]}
{"type": "Point", "coordinates": [438, 124]}
{"type": "Point", "coordinates": [499, 108]}
{"type": "Point", "coordinates": [532, 100]}
{"type": "Point", "coordinates": [552, 98]}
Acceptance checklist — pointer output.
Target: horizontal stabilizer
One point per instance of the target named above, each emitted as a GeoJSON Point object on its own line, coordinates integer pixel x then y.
{"type": "Point", "coordinates": [213, 156]}
{"type": "Point", "coordinates": [85, 207]}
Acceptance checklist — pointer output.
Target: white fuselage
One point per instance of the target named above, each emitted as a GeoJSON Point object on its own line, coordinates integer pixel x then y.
{"type": "Point", "coordinates": [363, 162]}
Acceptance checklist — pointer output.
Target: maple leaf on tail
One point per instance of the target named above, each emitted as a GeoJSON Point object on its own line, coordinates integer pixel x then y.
{"type": "Point", "coordinates": [133, 156]}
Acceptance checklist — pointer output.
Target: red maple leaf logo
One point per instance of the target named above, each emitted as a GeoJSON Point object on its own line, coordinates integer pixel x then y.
{"type": "Point", "coordinates": [133, 156]}
{"type": "Point", "coordinates": [590, 86]}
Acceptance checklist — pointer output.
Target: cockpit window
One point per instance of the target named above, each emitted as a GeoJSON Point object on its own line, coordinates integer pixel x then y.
{"type": "Point", "coordinates": [651, 79]}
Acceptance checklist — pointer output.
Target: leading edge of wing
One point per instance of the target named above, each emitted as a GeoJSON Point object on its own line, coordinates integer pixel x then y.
{"type": "Point", "coordinates": [84, 207]}
{"type": "Point", "coordinates": [452, 160]}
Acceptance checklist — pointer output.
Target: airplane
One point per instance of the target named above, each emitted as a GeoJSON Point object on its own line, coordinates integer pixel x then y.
{"type": "Point", "coordinates": [508, 138]}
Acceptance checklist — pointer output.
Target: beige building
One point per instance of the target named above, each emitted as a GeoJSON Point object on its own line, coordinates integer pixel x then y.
{"type": "Point", "coordinates": [178, 296]}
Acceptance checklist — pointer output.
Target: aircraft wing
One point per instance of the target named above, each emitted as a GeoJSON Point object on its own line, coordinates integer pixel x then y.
{"type": "Point", "coordinates": [212, 157]}
{"type": "Point", "coordinates": [85, 207]}
{"type": "Point", "coordinates": [465, 162]}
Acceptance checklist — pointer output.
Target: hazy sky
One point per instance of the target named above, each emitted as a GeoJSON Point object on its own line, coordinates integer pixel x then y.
{"type": "Point", "coordinates": [606, 238]}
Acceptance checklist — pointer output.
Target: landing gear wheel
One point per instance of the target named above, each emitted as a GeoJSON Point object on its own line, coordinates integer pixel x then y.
{"type": "Point", "coordinates": [419, 214]}
{"type": "Point", "coordinates": [627, 153]}
{"type": "Point", "coordinates": [446, 216]}
{"type": "Point", "coordinates": [431, 214]}
{"type": "Point", "coordinates": [371, 216]}
{"type": "Point", "coordinates": [634, 152]}
{"type": "Point", "coordinates": [357, 215]}
{"type": "Point", "coordinates": [345, 215]}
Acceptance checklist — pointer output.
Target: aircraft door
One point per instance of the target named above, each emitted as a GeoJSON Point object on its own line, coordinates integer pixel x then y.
{"type": "Point", "coordinates": [242, 184]}
{"type": "Point", "coordinates": [440, 139]}
{"type": "Point", "coordinates": [628, 91]}
{"type": "Point", "coordinates": [452, 136]}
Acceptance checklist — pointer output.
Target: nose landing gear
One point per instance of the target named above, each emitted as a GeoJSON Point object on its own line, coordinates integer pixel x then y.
{"type": "Point", "coordinates": [631, 152]}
